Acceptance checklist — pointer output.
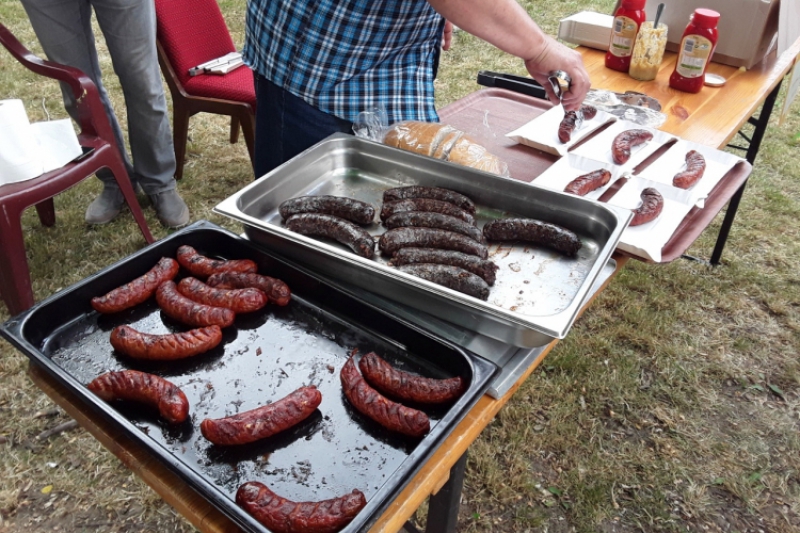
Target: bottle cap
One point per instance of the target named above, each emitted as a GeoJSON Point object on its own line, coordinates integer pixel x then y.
{"type": "Point", "coordinates": [714, 80]}
{"type": "Point", "coordinates": [706, 18]}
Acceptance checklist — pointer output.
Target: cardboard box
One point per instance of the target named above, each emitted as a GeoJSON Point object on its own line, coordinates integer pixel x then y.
{"type": "Point", "coordinates": [747, 28]}
{"type": "Point", "coordinates": [587, 28]}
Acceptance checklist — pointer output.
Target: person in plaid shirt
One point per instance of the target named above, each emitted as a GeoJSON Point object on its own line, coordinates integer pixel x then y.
{"type": "Point", "coordinates": [318, 64]}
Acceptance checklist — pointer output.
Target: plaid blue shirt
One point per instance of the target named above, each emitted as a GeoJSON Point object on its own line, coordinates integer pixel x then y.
{"type": "Point", "coordinates": [347, 56]}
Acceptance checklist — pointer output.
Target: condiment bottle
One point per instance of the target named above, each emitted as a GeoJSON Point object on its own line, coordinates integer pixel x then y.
{"type": "Point", "coordinates": [627, 20]}
{"type": "Point", "coordinates": [697, 46]}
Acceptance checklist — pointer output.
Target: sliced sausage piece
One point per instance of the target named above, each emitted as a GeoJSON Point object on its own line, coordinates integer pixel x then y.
{"type": "Point", "coordinates": [652, 204]}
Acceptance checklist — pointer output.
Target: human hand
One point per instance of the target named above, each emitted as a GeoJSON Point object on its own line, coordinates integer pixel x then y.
{"type": "Point", "coordinates": [447, 35]}
{"type": "Point", "coordinates": [556, 56]}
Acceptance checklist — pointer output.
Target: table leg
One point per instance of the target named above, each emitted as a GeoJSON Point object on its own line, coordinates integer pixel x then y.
{"type": "Point", "coordinates": [752, 152]}
{"type": "Point", "coordinates": [443, 506]}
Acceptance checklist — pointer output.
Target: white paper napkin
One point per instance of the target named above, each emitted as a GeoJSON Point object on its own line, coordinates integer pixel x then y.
{"type": "Point", "coordinates": [542, 132]}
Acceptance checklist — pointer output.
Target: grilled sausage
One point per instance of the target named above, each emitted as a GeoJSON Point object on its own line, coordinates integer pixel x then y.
{"type": "Point", "coordinates": [573, 120]}
{"type": "Point", "coordinates": [435, 193]}
{"type": "Point", "coordinates": [583, 185]}
{"type": "Point", "coordinates": [280, 515]}
{"type": "Point", "coordinates": [425, 204]}
{"type": "Point", "coordinates": [695, 168]}
{"type": "Point", "coordinates": [451, 277]}
{"type": "Point", "coordinates": [408, 387]}
{"type": "Point", "coordinates": [622, 144]}
{"type": "Point", "coordinates": [340, 206]}
{"type": "Point", "coordinates": [428, 219]}
{"type": "Point", "coordinates": [237, 300]}
{"type": "Point", "coordinates": [138, 290]}
{"type": "Point", "coordinates": [145, 388]}
{"type": "Point", "coordinates": [372, 404]}
{"type": "Point", "coordinates": [652, 204]}
{"type": "Point", "coordinates": [202, 267]}
{"type": "Point", "coordinates": [588, 111]}
{"type": "Point", "coordinates": [397, 238]}
{"type": "Point", "coordinates": [264, 421]}
{"type": "Point", "coordinates": [336, 228]}
{"type": "Point", "coordinates": [482, 267]}
{"type": "Point", "coordinates": [170, 346]}
{"type": "Point", "coordinates": [178, 307]}
{"type": "Point", "coordinates": [276, 290]}
{"type": "Point", "coordinates": [529, 229]}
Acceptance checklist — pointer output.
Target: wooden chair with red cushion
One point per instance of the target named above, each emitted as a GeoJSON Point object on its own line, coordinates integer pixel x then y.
{"type": "Point", "coordinates": [100, 151]}
{"type": "Point", "coordinates": [192, 32]}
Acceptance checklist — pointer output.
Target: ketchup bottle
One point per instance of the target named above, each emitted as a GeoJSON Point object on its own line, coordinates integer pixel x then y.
{"type": "Point", "coordinates": [697, 46]}
{"type": "Point", "coordinates": [627, 20]}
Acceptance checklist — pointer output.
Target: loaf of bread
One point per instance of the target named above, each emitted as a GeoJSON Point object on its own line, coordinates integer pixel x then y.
{"type": "Point", "coordinates": [444, 142]}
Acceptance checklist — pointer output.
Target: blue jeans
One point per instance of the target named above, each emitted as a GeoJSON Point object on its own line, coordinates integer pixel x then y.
{"type": "Point", "coordinates": [286, 125]}
{"type": "Point", "coordinates": [129, 26]}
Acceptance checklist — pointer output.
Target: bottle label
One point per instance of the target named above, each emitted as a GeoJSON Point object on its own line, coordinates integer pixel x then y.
{"type": "Point", "coordinates": [695, 52]}
{"type": "Point", "coordinates": [623, 35]}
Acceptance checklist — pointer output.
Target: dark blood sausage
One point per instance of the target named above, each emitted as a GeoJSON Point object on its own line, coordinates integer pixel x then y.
{"type": "Point", "coordinates": [372, 404]}
{"type": "Point", "coordinates": [451, 277]}
{"type": "Point", "coordinates": [573, 120]}
{"type": "Point", "coordinates": [435, 193]}
{"type": "Point", "coordinates": [237, 300]}
{"type": "Point", "coordinates": [652, 204]}
{"type": "Point", "coordinates": [409, 387]}
{"type": "Point", "coordinates": [398, 238]}
{"type": "Point", "coordinates": [588, 111]}
{"type": "Point", "coordinates": [583, 185]}
{"type": "Point", "coordinates": [695, 168]}
{"type": "Point", "coordinates": [170, 346]}
{"type": "Point", "coordinates": [264, 421]}
{"type": "Point", "coordinates": [340, 206]}
{"type": "Point", "coordinates": [138, 290]}
{"type": "Point", "coordinates": [185, 310]}
{"type": "Point", "coordinates": [280, 515]}
{"type": "Point", "coordinates": [429, 219]}
{"type": "Point", "coordinates": [276, 290]}
{"type": "Point", "coordinates": [529, 229]}
{"type": "Point", "coordinates": [145, 388]}
{"type": "Point", "coordinates": [425, 204]}
{"type": "Point", "coordinates": [622, 144]}
{"type": "Point", "coordinates": [336, 228]}
{"type": "Point", "coordinates": [202, 266]}
{"type": "Point", "coordinates": [482, 267]}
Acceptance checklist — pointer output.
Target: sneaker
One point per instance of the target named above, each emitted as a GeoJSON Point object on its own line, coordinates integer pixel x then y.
{"type": "Point", "coordinates": [170, 208]}
{"type": "Point", "coordinates": [105, 207]}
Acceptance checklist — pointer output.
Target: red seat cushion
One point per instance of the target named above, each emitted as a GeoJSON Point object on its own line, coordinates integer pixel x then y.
{"type": "Point", "coordinates": [235, 85]}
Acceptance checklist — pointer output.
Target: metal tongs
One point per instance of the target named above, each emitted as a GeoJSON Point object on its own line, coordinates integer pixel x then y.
{"type": "Point", "coordinates": [560, 82]}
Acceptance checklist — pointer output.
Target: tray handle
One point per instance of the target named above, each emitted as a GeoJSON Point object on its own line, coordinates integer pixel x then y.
{"type": "Point", "coordinates": [519, 84]}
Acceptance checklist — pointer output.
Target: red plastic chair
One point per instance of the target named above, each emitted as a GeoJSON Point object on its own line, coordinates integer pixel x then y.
{"type": "Point", "coordinates": [192, 32]}
{"type": "Point", "coordinates": [100, 151]}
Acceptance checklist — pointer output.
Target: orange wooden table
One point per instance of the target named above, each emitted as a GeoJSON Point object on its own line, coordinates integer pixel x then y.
{"type": "Point", "coordinates": [713, 117]}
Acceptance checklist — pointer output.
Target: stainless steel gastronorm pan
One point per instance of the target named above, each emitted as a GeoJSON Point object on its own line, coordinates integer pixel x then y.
{"type": "Point", "coordinates": [538, 292]}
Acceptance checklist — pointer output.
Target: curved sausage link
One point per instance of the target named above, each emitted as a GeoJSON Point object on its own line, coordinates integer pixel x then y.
{"type": "Point", "coordinates": [237, 300]}
{"type": "Point", "coordinates": [482, 267]}
{"type": "Point", "coordinates": [397, 238]}
{"type": "Point", "coordinates": [374, 405]}
{"type": "Point", "coordinates": [622, 144]}
{"type": "Point", "coordinates": [180, 308]}
{"type": "Point", "coordinates": [264, 421]}
{"type": "Point", "coordinates": [583, 185]}
{"type": "Point", "coordinates": [280, 515]}
{"type": "Point", "coordinates": [202, 266]}
{"type": "Point", "coordinates": [428, 219]}
{"type": "Point", "coordinates": [340, 206]}
{"type": "Point", "coordinates": [652, 204]}
{"type": "Point", "coordinates": [408, 387]}
{"type": "Point", "coordinates": [695, 168]}
{"type": "Point", "coordinates": [171, 346]}
{"type": "Point", "coordinates": [435, 193]}
{"type": "Point", "coordinates": [529, 229]}
{"type": "Point", "coordinates": [319, 224]}
{"type": "Point", "coordinates": [145, 388]}
{"type": "Point", "coordinates": [573, 120]}
{"type": "Point", "coordinates": [138, 290]}
{"type": "Point", "coordinates": [450, 276]}
{"type": "Point", "coordinates": [276, 290]}
{"type": "Point", "coordinates": [425, 204]}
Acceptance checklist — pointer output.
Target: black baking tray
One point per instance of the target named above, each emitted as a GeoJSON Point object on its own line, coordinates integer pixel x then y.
{"type": "Point", "coordinates": [263, 357]}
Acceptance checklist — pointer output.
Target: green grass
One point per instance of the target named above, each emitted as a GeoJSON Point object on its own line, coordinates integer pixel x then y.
{"type": "Point", "coordinates": [671, 406]}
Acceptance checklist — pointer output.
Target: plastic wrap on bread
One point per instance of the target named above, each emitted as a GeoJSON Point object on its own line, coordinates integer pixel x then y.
{"type": "Point", "coordinates": [445, 142]}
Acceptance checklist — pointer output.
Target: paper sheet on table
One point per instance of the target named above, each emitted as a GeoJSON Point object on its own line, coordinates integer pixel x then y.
{"type": "Point", "coordinates": [542, 132]}
{"type": "Point", "coordinates": [647, 240]}
{"type": "Point", "coordinates": [566, 169]}
{"type": "Point", "coordinates": [29, 150]}
{"type": "Point", "coordinates": [718, 163]}
{"type": "Point", "coordinates": [599, 146]}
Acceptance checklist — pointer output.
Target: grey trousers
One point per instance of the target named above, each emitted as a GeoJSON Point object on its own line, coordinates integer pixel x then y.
{"type": "Point", "coordinates": [129, 26]}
